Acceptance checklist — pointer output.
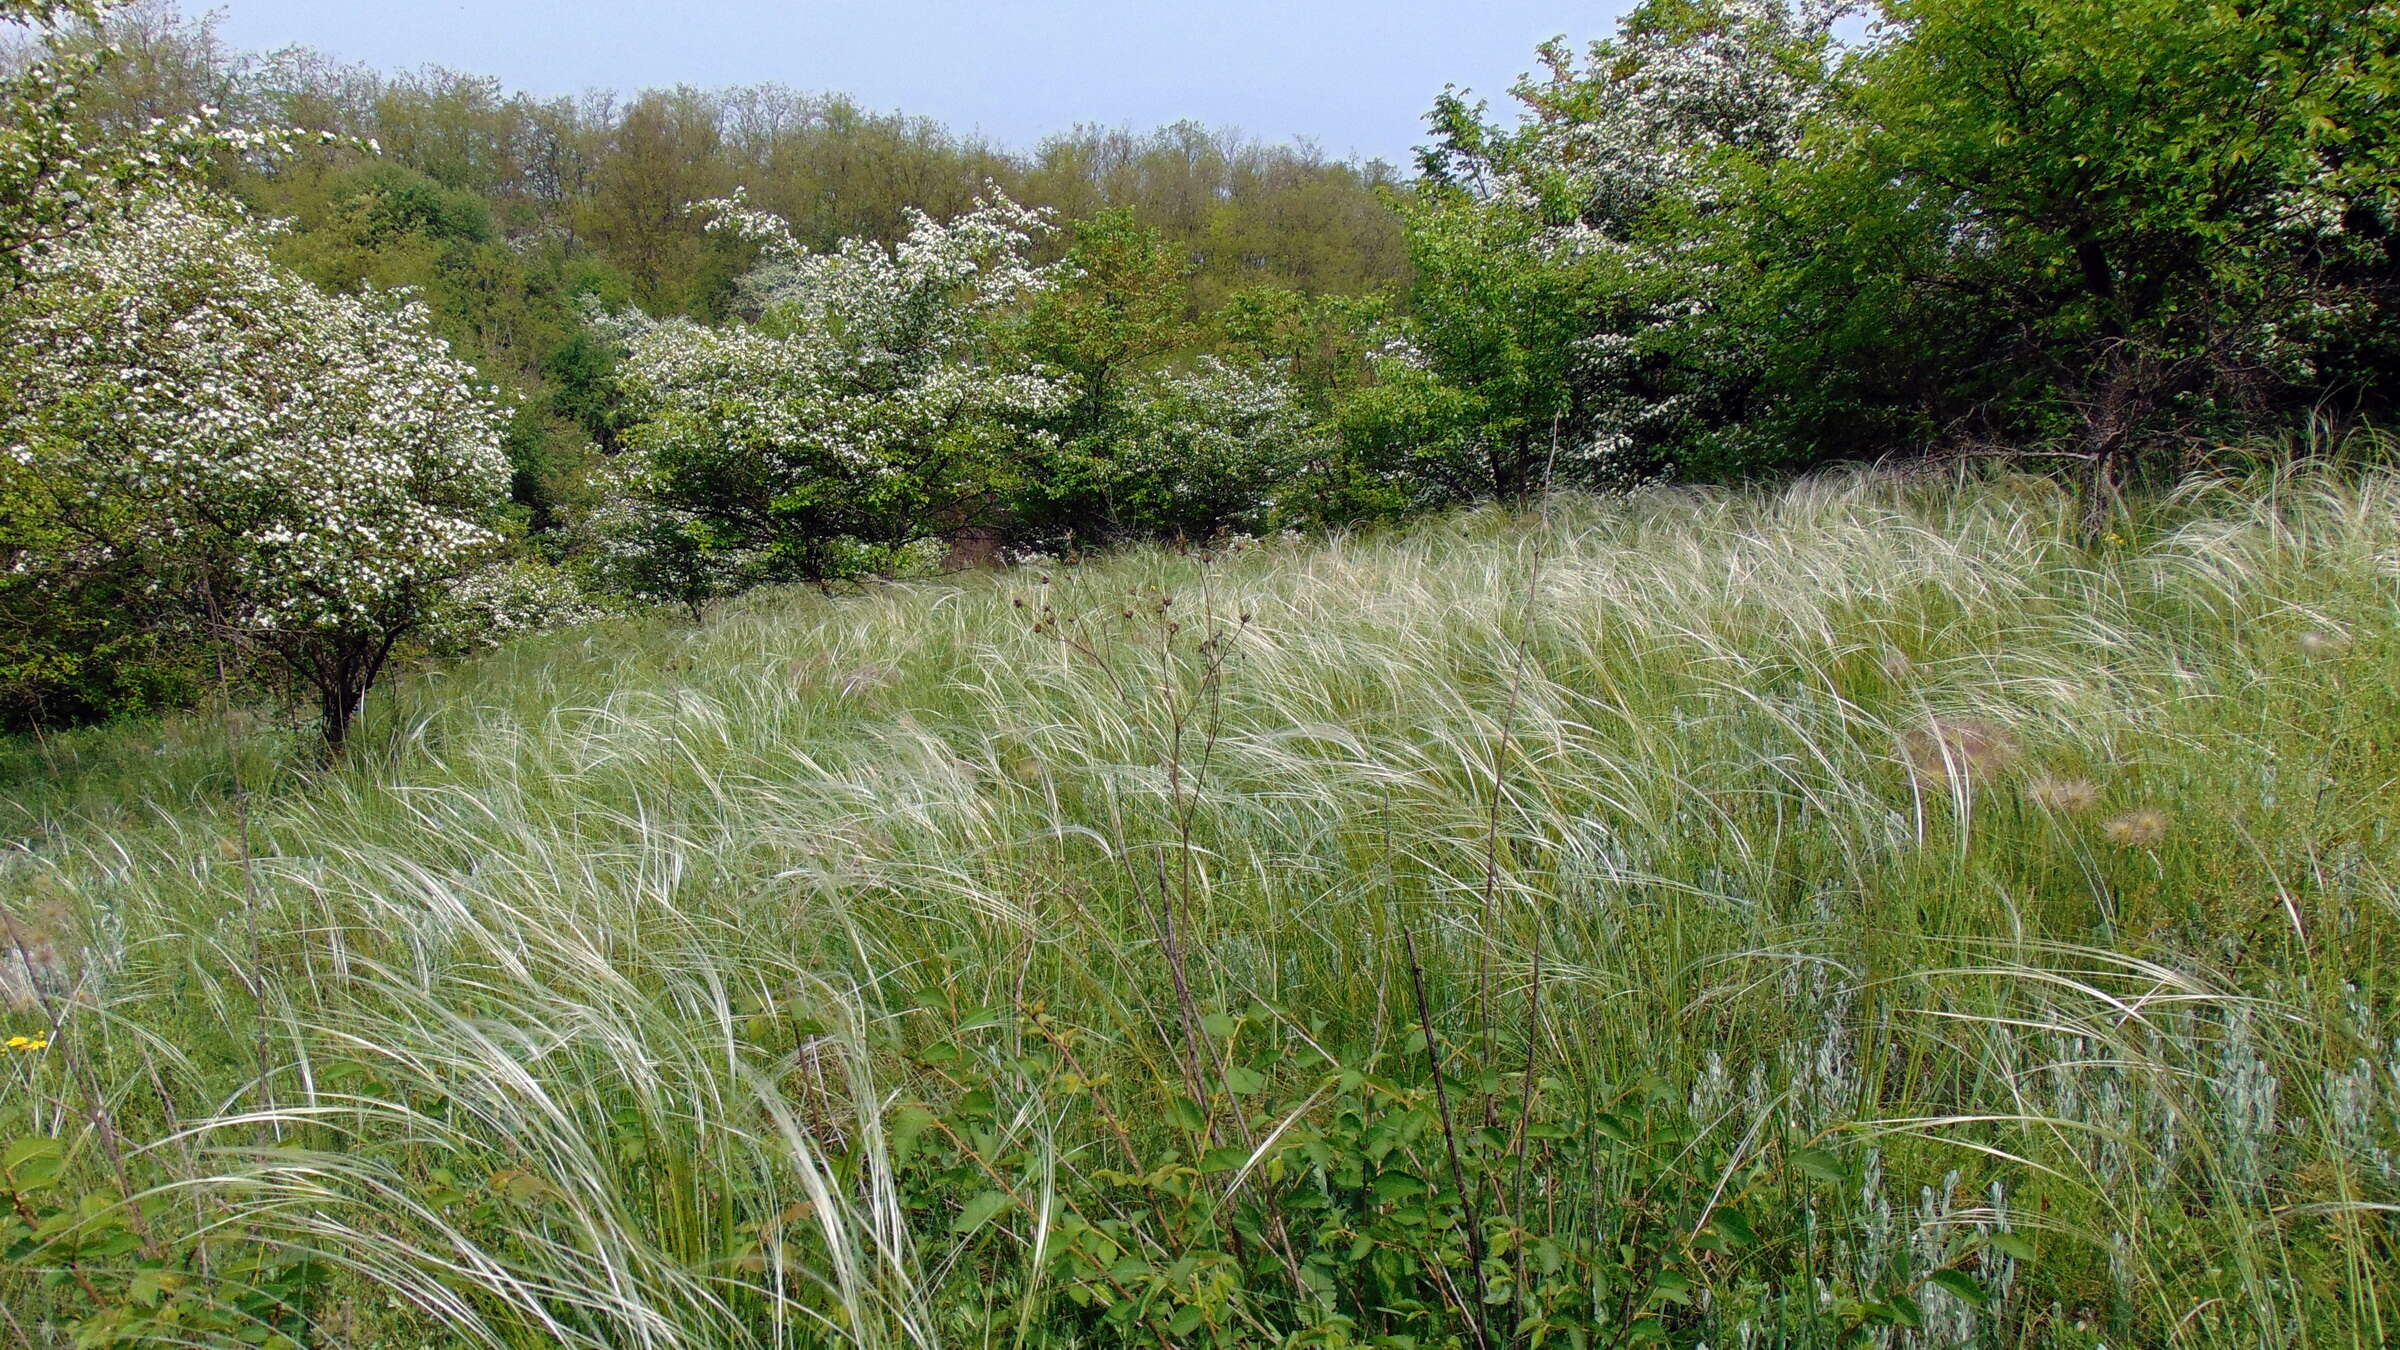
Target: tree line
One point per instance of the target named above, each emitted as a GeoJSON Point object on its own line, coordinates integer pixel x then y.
{"type": "Point", "coordinates": [511, 220]}
{"type": "Point", "coordinates": [747, 336]}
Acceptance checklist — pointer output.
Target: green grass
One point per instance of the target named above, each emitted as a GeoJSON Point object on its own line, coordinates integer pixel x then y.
{"type": "Point", "coordinates": [1875, 855]}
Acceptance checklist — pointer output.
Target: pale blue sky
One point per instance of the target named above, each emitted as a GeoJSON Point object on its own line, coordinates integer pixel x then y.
{"type": "Point", "coordinates": [1354, 75]}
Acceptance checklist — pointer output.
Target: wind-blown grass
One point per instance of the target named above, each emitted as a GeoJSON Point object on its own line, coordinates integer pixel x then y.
{"type": "Point", "coordinates": [2047, 887]}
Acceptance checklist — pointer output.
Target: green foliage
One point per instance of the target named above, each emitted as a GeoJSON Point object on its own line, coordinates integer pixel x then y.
{"type": "Point", "coordinates": [1407, 442]}
{"type": "Point", "coordinates": [1116, 311]}
{"type": "Point", "coordinates": [2162, 194]}
{"type": "Point", "coordinates": [80, 644]}
{"type": "Point", "coordinates": [1497, 320]}
{"type": "Point", "coordinates": [2079, 227]}
{"type": "Point", "coordinates": [583, 388]}
{"type": "Point", "coordinates": [1358, 1202]}
{"type": "Point", "coordinates": [124, 1271]}
{"type": "Point", "coordinates": [1202, 454]}
{"type": "Point", "coordinates": [1324, 345]}
{"type": "Point", "coordinates": [1119, 305]}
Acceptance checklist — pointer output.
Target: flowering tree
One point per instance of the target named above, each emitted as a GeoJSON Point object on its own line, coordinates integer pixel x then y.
{"type": "Point", "coordinates": [1205, 452]}
{"type": "Point", "coordinates": [1723, 242]}
{"type": "Point", "coordinates": [306, 473]}
{"type": "Point", "coordinates": [55, 177]}
{"type": "Point", "coordinates": [1560, 261]}
{"type": "Point", "coordinates": [866, 407]}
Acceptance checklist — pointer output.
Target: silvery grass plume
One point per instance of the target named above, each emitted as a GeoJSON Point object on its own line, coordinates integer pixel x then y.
{"type": "Point", "coordinates": [581, 1005]}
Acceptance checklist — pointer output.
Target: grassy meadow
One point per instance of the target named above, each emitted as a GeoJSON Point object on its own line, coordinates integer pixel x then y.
{"type": "Point", "coordinates": [1860, 912]}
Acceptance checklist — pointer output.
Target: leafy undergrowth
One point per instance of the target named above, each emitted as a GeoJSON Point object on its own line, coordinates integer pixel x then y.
{"type": "Point", "coordinates": [1859, 913]}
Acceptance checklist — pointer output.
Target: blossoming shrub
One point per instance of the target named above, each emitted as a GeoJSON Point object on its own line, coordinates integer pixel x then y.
{"type": "Point", "coordinates": [1205, 452]}
{"type": "Point", "coordinates": [505, 599]}
{"type": "Point", "coordinates": [1723, 241]}
{"type": "Point", "coordinates": [57, 176]}
{"type": "Point", "coordinates": [304, 474]}
{"type": "Point", "coordinates": [863, 409]}
{"type": "Point", "coordinates": [1558, 259]}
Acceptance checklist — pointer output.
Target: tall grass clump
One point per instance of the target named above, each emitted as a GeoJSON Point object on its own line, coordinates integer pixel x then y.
{"type": "Point", "coordinates": [1857, 912]}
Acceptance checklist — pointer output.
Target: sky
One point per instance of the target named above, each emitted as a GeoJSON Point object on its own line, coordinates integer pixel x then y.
{"type": "Point", "coordinates": [1354, 76]}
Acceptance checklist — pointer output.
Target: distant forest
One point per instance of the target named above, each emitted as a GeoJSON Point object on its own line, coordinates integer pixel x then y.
{"type": "Point", "coordinates": [502, 209]}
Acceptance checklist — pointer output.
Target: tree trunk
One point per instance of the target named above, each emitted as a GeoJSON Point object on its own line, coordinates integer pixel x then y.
{"type": "Point", "coordinates": [2111, 422]}
{"type": "Point", "coordinates": [339, 700]}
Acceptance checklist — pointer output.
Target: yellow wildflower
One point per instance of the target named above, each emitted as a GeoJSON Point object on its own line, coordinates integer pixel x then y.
{"type": "Point", "coordinates": [28, 1043]}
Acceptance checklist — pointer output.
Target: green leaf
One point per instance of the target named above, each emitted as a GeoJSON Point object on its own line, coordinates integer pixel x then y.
{"type": "Point", "coordinates": [33, 1163]}
{"type": "Point", "coordinates": [22, 1151]}
{"type": "Point", "coordinates": [979, 1211]}
{"type": "Point", "coordinates": [1819, 1165]}
{"type": "Point", "coordinates": [1735, 1229]}
{"type": "Point", "coordinates": [1960, 1283]}
{"type": "Point", "coordinates": [1224, 1158]}
{"type": "Point", "coordinates": [1671, 1287]}
{"type": "Point", "coordinates": [2012, 1244]}
{"type": "Point", "coordinates": [1393, 1187]}
{"type": "Point", "coordinates": [905, 1124]}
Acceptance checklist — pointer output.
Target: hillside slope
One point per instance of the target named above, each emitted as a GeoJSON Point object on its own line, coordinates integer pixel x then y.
{"type": "Point", "coordinates": [1858, 908]}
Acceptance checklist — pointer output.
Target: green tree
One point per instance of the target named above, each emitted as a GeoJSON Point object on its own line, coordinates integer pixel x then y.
{"type": "Point", "coordinates": [665, 154]}
{"type": "Point", "coordinates": [307, 475]}
{"type": "Point", "coordinates": [2162, 197]}
{"type": "Point", "coordinates": [1116, 310]}
{"type": "Point", "coordinates": [870, 407]}
{"type": "Point", "coordinates": [1501, 319]}
{"type": "Point", "coordinates": [1120, 306]}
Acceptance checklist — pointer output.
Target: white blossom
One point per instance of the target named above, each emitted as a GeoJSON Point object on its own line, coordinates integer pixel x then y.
{"type": "Point", "coordinates": [317, 467]}
{"type": "Point", "coordinates": [859, 399]}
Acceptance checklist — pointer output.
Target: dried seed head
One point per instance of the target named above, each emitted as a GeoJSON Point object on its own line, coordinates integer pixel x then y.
{"type": "Point", "coordinates": [2317, 642]}
{"type": "Point", "coordinates": [2067, 796]}
{"type": "Point", "coordinates": [1958, 754]}
{"type": "Point", "coordinates": [32, 968]}
{"type": "Point", "coordinates": [2139, 828]}
{"type": "Point", "coordinates": [865, 678]}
